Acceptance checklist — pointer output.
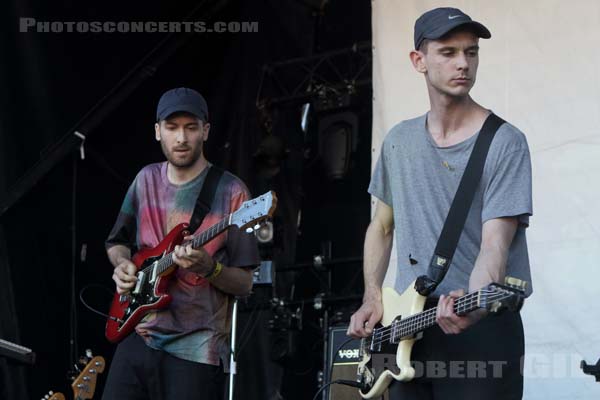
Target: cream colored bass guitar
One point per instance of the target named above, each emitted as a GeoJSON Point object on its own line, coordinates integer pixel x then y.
{"type": "Point", "coordinates": [386, 353]}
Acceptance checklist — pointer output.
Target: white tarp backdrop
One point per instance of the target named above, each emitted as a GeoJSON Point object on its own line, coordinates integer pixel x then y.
{"type": "Point", "coordinates": [541, 72]}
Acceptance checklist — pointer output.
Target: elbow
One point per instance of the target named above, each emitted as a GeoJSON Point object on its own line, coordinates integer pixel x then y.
{"type": "Point", "coordinates": [246, 285]}
{"type": "Point", "coordinates": [247, 288]}
{"type": "Point", "coordinates": [380, 232]}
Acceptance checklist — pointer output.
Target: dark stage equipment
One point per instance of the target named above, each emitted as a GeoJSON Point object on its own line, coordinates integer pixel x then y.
{"type": "Point", "coordinates": [264, 274]}
{"type": "Point", "coordinates": [16, 352]}
{"type": "Point", "coordinates": [342, 357]}
{"type": "Point", "coordinates": [324, 86]}
{"type": "Point", "coordinates": [265, 233]}
{"type": "Point", "coordinates": [591, 369]}
{"type": "Point", "coordinates": [338, 137]}
{"type": "Point", "coordinates": [301, 80]}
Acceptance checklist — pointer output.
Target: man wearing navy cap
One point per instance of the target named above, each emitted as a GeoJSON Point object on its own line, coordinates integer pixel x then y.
{"type": "Point", "coordinates": [415, 179]}
{"type": "Point", "coordinates": [180, 352]}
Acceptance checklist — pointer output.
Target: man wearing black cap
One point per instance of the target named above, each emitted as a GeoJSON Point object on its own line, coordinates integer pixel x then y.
{"type": "Point", "coordinates": [180, 352]}
{"type": "Point", "coordinates": [415, 179]}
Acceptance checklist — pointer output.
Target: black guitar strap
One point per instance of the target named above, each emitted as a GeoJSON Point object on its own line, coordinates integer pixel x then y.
{"type": "Point", "coordinates": [457, 216]}
{"type": "Point", "coordinates": [205, 198]}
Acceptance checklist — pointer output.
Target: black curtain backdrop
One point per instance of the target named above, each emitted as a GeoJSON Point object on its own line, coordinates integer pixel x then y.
{"type": "Point", "coordinates": [50, 80]}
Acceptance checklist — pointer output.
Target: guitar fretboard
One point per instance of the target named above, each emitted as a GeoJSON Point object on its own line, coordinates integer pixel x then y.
{"type": "Point", "coordinates": [418, 322]}
{"type": "Point", "coordinates": [167, 262]}
{"type": "Point", "coordinates": [413, 324]}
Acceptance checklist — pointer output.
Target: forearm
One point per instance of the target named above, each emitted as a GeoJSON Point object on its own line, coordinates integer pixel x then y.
{"type": "Point", "coordinates": [118, 254]}
{"type": "Point", "coordinates": [378, 246]}
{"type": "Point", "coordinates": [233, 280]}
{"type": "Point", "coordinates": [490, 266]}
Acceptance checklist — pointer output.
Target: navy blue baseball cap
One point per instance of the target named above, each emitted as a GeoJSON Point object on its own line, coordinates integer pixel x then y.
{"type": "Point", "coordinates": [437, 22]}
{"type": "Point", "coordinates": [182, 100]}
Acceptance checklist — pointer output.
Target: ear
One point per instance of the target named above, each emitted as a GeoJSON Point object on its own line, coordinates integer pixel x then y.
{"type": "Point", "coordinates": [206, 129]}
{"type": "Point", "coordinates": [418, 61]}
{"type": "Point", "coordinates": [157, 131]}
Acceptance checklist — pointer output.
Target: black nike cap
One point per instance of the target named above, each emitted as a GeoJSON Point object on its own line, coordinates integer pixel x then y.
{"type": "Point", "coordinates": [437, 22]}
{"type": "Point", "coordinates": [182, 99]}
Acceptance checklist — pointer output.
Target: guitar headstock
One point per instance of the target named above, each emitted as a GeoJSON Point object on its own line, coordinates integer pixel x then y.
{"type": "Point", "coordinates": [510, 296]}
{"type": "Point", "coordinates": [254, 211]}
{"type": "Point", "coordinates": [53, 396]}
{"type": "Point", "coordinates": [84, 385]}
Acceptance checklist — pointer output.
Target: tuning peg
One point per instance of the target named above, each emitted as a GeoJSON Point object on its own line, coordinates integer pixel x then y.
{"type": "Point", "coordinates": [515, 283]}
{"type": "Point", "coordinates": [249, 230]}
{"type": "Point", "coordinates": [256, 227]}
{"type": "Point", "coordinates": [89, 354]}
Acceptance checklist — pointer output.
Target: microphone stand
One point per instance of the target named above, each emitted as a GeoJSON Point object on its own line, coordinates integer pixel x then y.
{"type": "Point", "coordinates": [232, 356]}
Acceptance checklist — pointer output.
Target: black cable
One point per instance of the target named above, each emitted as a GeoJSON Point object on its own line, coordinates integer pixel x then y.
{"type": "Point", "coordinates": [321, 389]}
{"type": "Point", "coordinates": [92, 308]}
{"type": "Point", "coordinates": [336, 382]}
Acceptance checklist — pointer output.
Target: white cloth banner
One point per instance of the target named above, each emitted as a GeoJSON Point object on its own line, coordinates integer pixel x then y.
{"type": "Point", "coordinates": [541, 72]}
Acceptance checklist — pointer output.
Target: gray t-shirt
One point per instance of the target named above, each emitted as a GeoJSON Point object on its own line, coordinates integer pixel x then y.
{"type": "Point", "coordinates": [418, 180]}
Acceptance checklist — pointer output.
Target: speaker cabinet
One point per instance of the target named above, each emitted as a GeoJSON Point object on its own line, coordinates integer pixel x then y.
{"type": "Point", "coordinates": [345, 362]}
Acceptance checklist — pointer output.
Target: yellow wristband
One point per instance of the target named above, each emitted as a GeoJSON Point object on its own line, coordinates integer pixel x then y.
{"type": "Point", "coordinates": [215, 272]}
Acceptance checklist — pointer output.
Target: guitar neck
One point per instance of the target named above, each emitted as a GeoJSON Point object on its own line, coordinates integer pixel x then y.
{"type": "Point", "coordinates": [423, 320]}
{"type": "Point", "coordinates": [167, 261]}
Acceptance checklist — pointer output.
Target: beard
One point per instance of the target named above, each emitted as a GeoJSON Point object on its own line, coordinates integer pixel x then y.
{"type": "Point", "coordinates": [179, 160]}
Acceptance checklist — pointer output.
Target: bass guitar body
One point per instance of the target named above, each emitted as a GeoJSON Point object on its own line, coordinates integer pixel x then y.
{"type": "Point", "coordinates": [386, 354]}
{"type": "Point", "coordinates": [382, 364]}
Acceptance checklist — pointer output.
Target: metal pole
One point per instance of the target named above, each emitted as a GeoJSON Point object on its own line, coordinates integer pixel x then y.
{"type": "Point", "coordinates": [232, 364]}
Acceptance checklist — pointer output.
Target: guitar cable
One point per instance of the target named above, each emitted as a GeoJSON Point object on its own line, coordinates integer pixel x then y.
{"type": "Point", "coordinates": [82, 291]}
{"type": "Point", "coordinates": [337, 381]}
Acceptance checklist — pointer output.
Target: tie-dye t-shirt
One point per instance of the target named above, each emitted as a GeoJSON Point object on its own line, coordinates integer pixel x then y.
{"type": "Point", "coordinates": [197, 323]}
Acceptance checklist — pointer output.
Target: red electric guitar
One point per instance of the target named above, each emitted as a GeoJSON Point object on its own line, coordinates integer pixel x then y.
{"type": "Point", "coordinates": [156, 266]}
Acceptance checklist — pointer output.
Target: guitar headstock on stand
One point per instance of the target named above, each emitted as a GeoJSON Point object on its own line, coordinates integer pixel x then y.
{"type": "Point", "coordinates": [53, 396]}
{"type": "Point", "coordinates": [84, 385]}
{"type": "Point", "coordinates": [84, 378]}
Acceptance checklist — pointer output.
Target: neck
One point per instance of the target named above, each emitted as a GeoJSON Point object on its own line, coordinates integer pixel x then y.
{"type": "Point", "coordinates": [181, 175]}
{"type": "Point", "coordinates": [453, 116]}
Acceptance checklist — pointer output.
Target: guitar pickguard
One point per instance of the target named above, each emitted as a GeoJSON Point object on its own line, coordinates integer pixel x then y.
{"type": "Point", "coordinates": [144, 293]}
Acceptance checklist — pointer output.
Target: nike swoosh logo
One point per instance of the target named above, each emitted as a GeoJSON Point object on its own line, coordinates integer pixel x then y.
{"type": "Point", "coordinates": [454, 16]}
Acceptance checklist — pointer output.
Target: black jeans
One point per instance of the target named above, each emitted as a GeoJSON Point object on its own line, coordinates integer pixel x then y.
{"type": "Point", "coordinates": [138, 372]}
{"type": "Point", "coordinates": [483, 362]}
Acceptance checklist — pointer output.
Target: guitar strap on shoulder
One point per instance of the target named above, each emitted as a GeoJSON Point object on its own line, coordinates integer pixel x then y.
{"type": "Point", "coordinates": [205, 198]}
{"type": "Point", "coordinates": [457, 216]}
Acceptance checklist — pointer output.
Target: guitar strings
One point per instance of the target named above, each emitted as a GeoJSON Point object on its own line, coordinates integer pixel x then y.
{"type": "Point", "coordinates": [425, 317]}
{"type": "Point", "coordinates": [417, 321]}
{"type": "Point", "coordinates": [196, 242]}
{"type": "Point", "coordinates": [164, 264]}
